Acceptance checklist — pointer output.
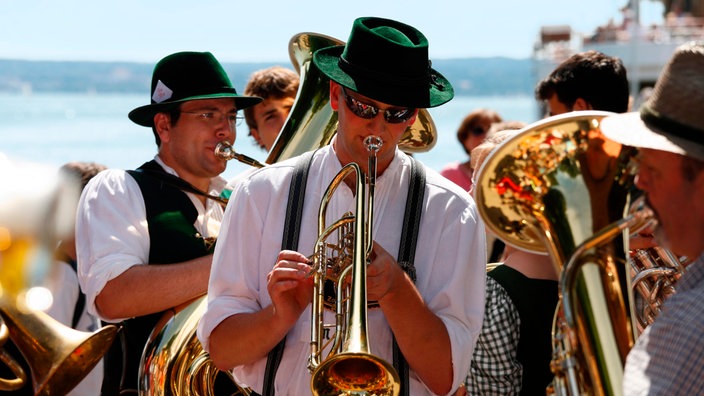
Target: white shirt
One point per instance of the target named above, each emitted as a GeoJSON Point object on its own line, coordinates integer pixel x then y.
{"type": "Point", "coordinates": [450, 260]}
{"type": "Point", "coordinates": [63, 284]}
{"type": "Point", "coordinates": [112, 233]}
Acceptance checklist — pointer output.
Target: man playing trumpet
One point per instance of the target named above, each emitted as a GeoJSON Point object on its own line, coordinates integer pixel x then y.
{"type": "Point", "coordinates": [260, 294]}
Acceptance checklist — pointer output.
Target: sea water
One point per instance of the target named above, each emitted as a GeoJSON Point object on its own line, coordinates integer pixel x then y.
{"type": "Point", "coordinates": [55, 128]}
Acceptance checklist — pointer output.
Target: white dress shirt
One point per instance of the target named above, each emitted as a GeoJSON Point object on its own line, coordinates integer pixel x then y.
{"type": "Point", "coordinates": [450, 260]}
{"type": "Point", "coordinates": [112, 234]}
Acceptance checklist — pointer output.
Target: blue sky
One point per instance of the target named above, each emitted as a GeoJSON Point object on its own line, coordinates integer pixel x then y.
{"type": "Point", "coordinates": [252, 31]}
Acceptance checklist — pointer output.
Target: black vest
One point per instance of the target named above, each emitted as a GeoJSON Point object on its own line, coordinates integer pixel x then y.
{"type": "Point", "coordinates": [535, 300]}
{"type": "Point", "coordinates": [173, 238]}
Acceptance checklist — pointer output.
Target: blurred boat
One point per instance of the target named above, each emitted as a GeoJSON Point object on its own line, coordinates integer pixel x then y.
{"type": "Point", "coordinates": [643, 49]}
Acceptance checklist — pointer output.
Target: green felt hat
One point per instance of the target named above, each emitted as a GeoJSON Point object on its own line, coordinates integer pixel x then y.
{"type": "Point", "coordinates": [185, 76]}
{"type": "Point", "coordinates": [387, 61]}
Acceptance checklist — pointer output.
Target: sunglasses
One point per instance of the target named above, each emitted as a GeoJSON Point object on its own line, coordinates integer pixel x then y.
{"type": "Point", "coordinates": [367, 111]}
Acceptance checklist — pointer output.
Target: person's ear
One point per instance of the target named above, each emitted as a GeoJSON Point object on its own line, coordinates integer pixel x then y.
{"type": "Point", "coordinates": [334, 95]}
{"type": "Point", "coordinates": [581, 104]}
{"type": "Point", "coordinates": [162, 124]}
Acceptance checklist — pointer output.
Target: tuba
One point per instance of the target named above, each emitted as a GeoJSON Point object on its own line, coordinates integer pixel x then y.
{"type": "Point", "coordinates": [175, 363]}
{"type": "Point", "coordinates": [349, 368]}
{"type": "Point", "coordinates": [560, 187]}
{"type": "Point", "coordinates": [31, 221]}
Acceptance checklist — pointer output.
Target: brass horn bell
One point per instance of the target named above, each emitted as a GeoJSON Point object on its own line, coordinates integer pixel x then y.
{"type": "Point", "coordinates": [31, 221]}
{"type": "Point", "coordinates": [59, 357]}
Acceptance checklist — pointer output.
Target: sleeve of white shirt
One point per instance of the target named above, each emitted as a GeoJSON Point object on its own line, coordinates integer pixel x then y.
{"type": "Point", "coordinates": [452, 249]}
{"type": "Point", "coordinates": [234, 288]}
{"type": "Point", "coordinates": [111, 232]}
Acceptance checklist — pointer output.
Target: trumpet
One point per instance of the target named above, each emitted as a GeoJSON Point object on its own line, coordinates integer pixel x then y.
{"type": "Point", "coordinates": [349, 368]}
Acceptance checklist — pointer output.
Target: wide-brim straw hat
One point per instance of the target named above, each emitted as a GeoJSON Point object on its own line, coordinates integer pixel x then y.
{"type": "Point", "coordinates": [185, 76]}
{"type": "Point", "coordinates": [387, 61]}
{"type": "Point", "coordinates": [672, 119]}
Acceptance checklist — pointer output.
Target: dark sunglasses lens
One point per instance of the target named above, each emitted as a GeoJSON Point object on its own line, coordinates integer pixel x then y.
{"type": "Point", "coordinates": [360, 109]}
{"type": "Point", "coordinates": [367, 111]}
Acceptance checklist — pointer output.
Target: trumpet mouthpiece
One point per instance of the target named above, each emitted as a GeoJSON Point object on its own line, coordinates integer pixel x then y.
{"type": "Point", "coordinates": [373, 143]}
{"type": "Point", "coordinates": [224, 150]}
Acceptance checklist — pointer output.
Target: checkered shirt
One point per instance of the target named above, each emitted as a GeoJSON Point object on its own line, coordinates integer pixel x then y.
{"type": "Point", "coordinates": [495, 369]}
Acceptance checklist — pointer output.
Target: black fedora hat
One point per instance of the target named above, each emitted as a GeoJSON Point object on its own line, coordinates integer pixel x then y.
{"type": "Point", "coordinates": [187, 76]}
{"type": "Point", "coordinates": [671, 119]}
{"type": "Point", "coordinates": [387, 61]}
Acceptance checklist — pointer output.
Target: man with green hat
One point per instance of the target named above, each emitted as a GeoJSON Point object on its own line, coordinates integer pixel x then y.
{"type": "Point", "coordinates": [145, 237]}
{"type": "Point", "coordinates": [426, 302]}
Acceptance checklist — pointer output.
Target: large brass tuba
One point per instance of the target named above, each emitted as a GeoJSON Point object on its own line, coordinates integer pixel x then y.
{"type": "Point", "coordinates": [560, 187]}
{"type": "Point", "coordinates": [174, 362]}
{"type": "Point", "coordinates": [31, 221]}
{"type": "Point", "coordinates": [349, 368]}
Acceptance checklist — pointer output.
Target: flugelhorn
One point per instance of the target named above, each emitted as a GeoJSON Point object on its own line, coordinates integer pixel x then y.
{"type": "Point", "coordinates": [31, 221]}
{"type": "Point", "coordinates": [349, 368]}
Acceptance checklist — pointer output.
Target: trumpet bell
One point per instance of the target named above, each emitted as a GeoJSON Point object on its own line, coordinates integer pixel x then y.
{"type": "Point", "coordinates": [355, 373]}
{"type": "Point", "coordinates": [58, 356]}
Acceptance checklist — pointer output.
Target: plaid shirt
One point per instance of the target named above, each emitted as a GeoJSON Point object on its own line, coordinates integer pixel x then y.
{"type": "Point", "coordinates": [668, 358]}
{"type": "Point", "coordinates": [495, 369]}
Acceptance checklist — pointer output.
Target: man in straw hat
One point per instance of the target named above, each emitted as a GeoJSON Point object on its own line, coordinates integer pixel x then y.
{"type": "Point", "coordinates": [431, 305]}
{"type": "Point", "coordinates": [668, 357]}
{"type": "Point", "coordinates": [165, 214]}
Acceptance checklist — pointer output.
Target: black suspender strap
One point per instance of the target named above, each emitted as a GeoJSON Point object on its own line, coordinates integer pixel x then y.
{"type": "Point", "coordinates": [407, 253]}
{"type": "Point", "coordinates": [292, 226]}
{"type": "Point", "coordinates": [411, 219]}
{"type": "Point", "coordinates": [80, 301]}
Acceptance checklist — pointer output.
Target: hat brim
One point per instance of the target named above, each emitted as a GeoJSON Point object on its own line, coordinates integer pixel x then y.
{"type": "Point", "coordinates": [629, 129]}
{"type": "Point", "coordinates": [144, 115]}
{"type": "Point", "coordinates": [439, 91]}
